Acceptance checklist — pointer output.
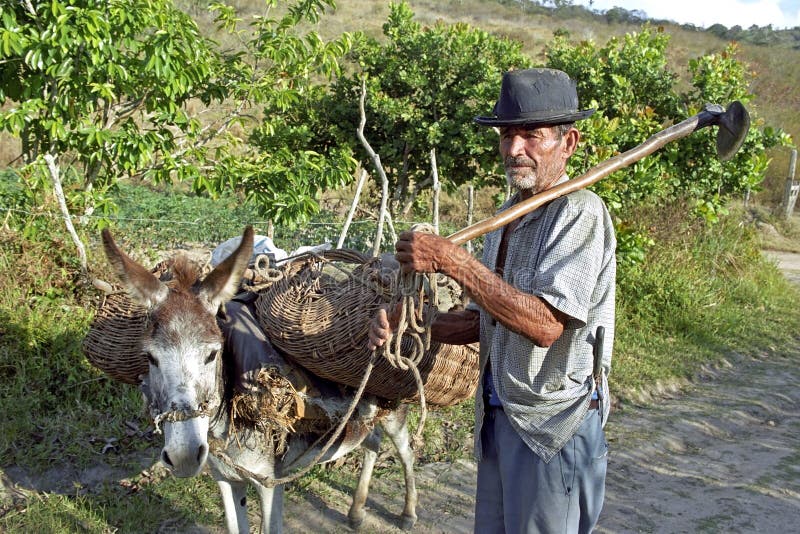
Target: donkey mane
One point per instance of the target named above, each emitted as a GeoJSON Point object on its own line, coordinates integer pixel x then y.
{"type": "Point", "coordinates": [183, 274]}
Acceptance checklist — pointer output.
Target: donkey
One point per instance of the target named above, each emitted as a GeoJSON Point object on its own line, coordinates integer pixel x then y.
{"type": "Point", "coordinates": [188, 391]}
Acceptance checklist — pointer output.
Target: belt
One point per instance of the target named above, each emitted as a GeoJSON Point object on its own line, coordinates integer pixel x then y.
{"type": "Point", "coordinates": [593, 405]}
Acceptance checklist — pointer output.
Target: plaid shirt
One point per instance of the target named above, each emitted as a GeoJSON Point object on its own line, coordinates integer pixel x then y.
{"type": "Point", "coordinates": [564, 253]}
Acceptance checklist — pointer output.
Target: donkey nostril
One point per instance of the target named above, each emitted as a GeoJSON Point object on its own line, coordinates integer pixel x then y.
{"type": "Point", "coordinates": [165, 458]}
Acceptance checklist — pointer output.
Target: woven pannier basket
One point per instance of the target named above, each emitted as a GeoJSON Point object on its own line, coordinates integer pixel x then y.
{"type": "Point", "coordinates": [318, 315]}
{"type": "Point", "coordinates": [113, 343]}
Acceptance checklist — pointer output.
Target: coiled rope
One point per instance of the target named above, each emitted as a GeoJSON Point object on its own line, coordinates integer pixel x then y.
{"type": "Point", "coordinates": [414, 322]}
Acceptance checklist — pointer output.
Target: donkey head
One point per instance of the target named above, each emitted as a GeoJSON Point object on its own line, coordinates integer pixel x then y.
{"type": "Point", "coordinates": [183, 346]}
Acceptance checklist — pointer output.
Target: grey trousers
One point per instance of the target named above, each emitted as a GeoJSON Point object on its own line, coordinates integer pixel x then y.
{"type": "Point", "coordinates": [519, 493]}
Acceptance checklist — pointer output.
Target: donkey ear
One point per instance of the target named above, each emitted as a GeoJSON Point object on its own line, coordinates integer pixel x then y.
{"type": "Point", "coordinates": [222, 283]}
{"type": "Point", "coordinates": [142, 285]}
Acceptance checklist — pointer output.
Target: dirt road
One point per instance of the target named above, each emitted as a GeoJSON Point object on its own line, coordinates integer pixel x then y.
{"type": "Point", "coordinates": [723, 455]}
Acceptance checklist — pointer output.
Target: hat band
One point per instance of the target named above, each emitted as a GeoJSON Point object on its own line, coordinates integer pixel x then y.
{"type": "Point", "coordinates": [535, 117]}
{"type": "Point", "coordinates": [538, 115]}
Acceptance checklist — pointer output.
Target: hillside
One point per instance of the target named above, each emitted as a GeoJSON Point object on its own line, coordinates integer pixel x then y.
{"type": "Point", "coordinates": [775, 67]}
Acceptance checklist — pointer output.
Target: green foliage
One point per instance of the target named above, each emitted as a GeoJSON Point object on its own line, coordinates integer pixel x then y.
{"type": "Point", "coordinates": [758, 35]}
{"type": "Point", "coordinates": [101, 85]}
{"type": "Point", "coordinates": [13, 196]}
{"type": "Point", "coordinates": [703, 291]}
{"type": "Point", "coordinates": [284, 184]}
{"type": "Point", "coordinates": [277, 69]}
{"type": "Point", "coordinates": [167, 217]}
{"type": "Point", "coordinates": [424, 85]}
{"type": "Point", "coordinates": [110, 88]}
{"type": "Point", "coordinates": [628, 80]}
{"type": "Point", "coordinates": [618, 15]}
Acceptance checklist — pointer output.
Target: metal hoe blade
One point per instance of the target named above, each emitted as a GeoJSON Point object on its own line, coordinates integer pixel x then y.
{"type": "Point", "coordinates": [733, 127]}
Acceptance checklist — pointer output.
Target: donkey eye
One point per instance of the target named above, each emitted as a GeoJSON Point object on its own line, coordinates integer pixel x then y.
{"type": "Point", "coordinates": [151, 359]}
{"type": "Point", "coordinates": [212, 356]}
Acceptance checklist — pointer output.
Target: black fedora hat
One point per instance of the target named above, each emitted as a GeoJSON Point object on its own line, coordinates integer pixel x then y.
{"type": "Point", "coordinates": [534, 97]}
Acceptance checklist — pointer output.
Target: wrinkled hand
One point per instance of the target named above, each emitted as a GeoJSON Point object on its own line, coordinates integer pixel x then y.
{"type": "Point", "coordinates": [381, 328]}
{"type": "Point", "coordinates": [421, 252]}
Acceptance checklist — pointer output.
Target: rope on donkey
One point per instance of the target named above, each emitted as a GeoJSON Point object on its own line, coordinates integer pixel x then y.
{"type": "Point", "coordinates": [415, 321]}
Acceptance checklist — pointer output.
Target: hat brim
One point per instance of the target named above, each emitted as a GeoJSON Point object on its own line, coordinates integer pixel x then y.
{"type": "Point", "coordinates": [535, 119]}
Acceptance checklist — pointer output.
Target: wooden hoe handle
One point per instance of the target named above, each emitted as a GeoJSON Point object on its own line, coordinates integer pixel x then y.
{"type": "Point", "coordinates": [711, 115]}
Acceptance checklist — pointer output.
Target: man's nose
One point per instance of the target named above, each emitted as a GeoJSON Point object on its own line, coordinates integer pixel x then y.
{"type": "Point", "coordinates": [516, 146]}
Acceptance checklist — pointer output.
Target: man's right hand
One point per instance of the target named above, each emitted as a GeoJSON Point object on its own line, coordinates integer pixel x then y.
{"type": "Point", "coordinates": [380, 330]}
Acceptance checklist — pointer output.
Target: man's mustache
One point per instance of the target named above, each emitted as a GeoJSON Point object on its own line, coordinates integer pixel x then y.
{"type": "Point", "coordinates": [519, 161]}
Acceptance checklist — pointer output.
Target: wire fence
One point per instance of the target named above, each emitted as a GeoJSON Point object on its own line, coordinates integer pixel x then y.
{"type": "Point", "coordinates": [215, 228]}
{"type": "Point", "coordinates": [147, 219]}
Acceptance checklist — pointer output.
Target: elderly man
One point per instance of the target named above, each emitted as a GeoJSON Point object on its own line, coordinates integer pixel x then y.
{"type": "Point", "coordinates": [544, 286]}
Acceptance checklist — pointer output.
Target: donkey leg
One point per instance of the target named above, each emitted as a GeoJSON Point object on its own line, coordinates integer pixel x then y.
{"type": "Point", "coordinates": [397, 430]}
{"type": "Point", "coordinates": [271, 508]}
{"type": "Point", "coordinates": [371, 445]}
{"type": "Point", "coordinates": [234, 500]}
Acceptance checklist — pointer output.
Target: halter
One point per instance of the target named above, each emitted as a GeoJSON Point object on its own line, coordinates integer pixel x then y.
{"type": "Point", "coordinates": [174, 415]}
{"type": "Point", "coordinates": [205, 407]}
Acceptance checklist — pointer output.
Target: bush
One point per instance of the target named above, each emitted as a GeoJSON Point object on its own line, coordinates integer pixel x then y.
{"type": "Point", "coordinates": [704, 291]}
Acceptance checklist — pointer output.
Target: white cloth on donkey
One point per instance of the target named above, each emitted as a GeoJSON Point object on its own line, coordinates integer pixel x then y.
{"type": "Point", "coordinates": [261, 245]}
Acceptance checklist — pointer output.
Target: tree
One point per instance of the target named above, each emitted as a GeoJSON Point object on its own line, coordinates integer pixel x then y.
{"type": "Point", "coordinates": [719, 30]}
{"type": "Point", "coordinates": [100, 87]}
{"type": "Point", "coordinates": [618, 15]}
{"type": "Point", "coordinates": [104, 87]}
{"type": "Point", "coordinates": [424, 87]}
{"type": "Point", "coordinates": [279, 67]}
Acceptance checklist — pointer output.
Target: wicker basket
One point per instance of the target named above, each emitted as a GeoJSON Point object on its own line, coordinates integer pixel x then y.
{"type": "Point", "coordinates": [113, 341]}
{"type": "Point", "coordinates": [319, 315]}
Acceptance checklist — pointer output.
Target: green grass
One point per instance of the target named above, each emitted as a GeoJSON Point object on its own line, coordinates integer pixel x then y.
{"type": "Point", "coordinates": [787, 235]}
{"type": "Point", "coordinates": [44, 378]}
{"type": "Point", "coordinates": [168, 505]}
{"type": "Point", "coordinates": [59, 413]}
{"type": "Point", "coordinates": [167, 218]}
{"type": "Point", "coordinates": [697, 297]}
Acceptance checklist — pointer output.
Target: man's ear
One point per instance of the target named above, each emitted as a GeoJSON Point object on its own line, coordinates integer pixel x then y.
{"type": "Point", "coordinates": [571, 139]}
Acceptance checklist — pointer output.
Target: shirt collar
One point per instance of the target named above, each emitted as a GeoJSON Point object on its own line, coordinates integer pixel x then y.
{"type": "Point", "coordinates": [535, 214]}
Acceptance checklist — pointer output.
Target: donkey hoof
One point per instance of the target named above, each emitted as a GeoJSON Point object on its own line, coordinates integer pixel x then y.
{"type": "Point", "coordinates": [355, 523]}
{"type": "Point", "coordinates": [407, 522]}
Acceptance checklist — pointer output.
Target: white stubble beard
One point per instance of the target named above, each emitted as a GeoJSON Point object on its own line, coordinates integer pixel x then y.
{"type": "Point", "coordinates": [533, 179]}
{"type": "Point", "coordinates": [519, 182]}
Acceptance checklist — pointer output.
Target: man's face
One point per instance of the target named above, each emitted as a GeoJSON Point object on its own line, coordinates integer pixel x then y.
{"type": "Point", "coordinates": [534, 158]}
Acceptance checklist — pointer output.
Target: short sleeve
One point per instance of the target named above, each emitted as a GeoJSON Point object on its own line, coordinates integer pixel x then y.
{"type": "Point", "coordinates": [571, 257]}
